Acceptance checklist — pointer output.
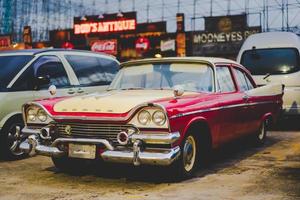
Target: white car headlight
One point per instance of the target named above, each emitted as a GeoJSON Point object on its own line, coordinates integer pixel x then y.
{"type": "Point", "coordinates": [144, 117]}
{"type": "Point", "coordinates": [31, 115]}
{"type": "Point", "coordinates": [159, 118]}
{"type": "Point", "coordinates": [42, 115]}
{"type": "Point", "coordinates": [37, 115]}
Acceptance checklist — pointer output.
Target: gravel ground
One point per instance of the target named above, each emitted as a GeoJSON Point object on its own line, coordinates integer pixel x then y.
{"type": "Point", "coordinates": [238, 171]}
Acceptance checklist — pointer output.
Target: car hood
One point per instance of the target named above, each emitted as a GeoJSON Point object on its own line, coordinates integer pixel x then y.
{"type": "Point", "coordinates": [111, 102]}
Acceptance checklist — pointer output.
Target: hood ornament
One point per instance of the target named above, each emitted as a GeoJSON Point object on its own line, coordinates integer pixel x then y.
{"type": "Point", "coordinates": [178, 91]}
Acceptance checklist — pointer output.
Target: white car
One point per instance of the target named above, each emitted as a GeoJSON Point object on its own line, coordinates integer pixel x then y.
{"type": "Point", "coordinates": [274, 58]}
{"type": "Point", "coordinates": [27, 75]}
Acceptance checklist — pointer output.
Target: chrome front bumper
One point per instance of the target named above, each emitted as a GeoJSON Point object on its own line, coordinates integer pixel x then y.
{"type": "Point", "coordinates": [135, 155]}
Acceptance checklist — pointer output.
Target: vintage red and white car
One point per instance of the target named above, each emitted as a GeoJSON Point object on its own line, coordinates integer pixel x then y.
{"type": "Point", "coordinates": [167, 111]}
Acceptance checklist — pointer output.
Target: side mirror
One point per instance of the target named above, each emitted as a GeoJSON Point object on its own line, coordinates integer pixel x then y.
{"type": "Point", "coordinates": [41, 81]}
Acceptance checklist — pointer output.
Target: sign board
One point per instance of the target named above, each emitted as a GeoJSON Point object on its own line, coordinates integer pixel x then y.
{"type": "Point", "coordinates": [167, 45]}
{"type": "Point", "coordinates": [180, 22]}
{"type": "Point", "coordinates": [105, 46]}
{"type": "Point", "coordinates": [181, 44]}
{"type": "Point", "coordinates": [27, 38]}
{"type": "Point", "coordinates": [108, 23]}
{"type": "Point", "coordinates": [218, 43]}
{"type": "Point", "coordinates": [226, 23]}
{"type": "Point", "coordinates": [142, 44]}
{"type": "Point", "coordinates": [5, 41]}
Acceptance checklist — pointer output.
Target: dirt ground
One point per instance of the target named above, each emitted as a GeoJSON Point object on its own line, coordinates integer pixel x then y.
{"type": "Point", "coordinates": [238, 171]}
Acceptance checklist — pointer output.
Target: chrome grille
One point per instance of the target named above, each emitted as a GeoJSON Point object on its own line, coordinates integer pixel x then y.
{"type": "Point", "coordinates": [88, 130]}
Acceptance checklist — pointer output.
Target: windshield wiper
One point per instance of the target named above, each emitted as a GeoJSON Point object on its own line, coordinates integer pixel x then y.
{"type": "Point", "coordinates": [266, 76]}
{"type": "Point", "coordinates": [133, 88]}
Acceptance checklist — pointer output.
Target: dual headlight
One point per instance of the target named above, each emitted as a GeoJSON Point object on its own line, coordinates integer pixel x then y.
{"type": "Point", "coordinates": [158, 117]}
{"type": "Point", "coordinates": [150, 118]}
{"type": "Point", "coordinates": [35, 114]}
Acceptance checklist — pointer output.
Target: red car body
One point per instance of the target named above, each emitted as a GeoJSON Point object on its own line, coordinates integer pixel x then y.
{"type": "Point", "coordinates": [223, 116]}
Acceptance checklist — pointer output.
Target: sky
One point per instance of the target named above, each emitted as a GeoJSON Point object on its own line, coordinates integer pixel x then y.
{"type": "Point", "coordinates": [61, 12]}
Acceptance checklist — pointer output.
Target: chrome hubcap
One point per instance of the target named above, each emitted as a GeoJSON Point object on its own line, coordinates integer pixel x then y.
{"type": "Point", "coordinates": [14, 140]}
{"type": "Point", "coordinates": [189, 153]}
{"type": "Point", "coordinates": [262, 132]}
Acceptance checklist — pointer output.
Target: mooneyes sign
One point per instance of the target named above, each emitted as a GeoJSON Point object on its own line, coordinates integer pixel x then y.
{"type": "Point", "coordinates": [106, 26]}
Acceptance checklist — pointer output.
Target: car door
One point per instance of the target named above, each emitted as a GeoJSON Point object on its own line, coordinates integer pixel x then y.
{"type": "Point", "coordinates": [247, 110]}
{"type": "Point", "coordinates": [94, 72]}
{"type": "Point", "coordinates": [229, 100]}
{"type": "Point", "coordinates": [50, 67]}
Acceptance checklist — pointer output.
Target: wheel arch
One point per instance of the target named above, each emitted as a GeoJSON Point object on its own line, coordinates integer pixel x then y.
{"type": "Point", "coordinates": [199, 123]}
{"type": "Point", "coordinates": [10, 117]}
{"type": "Point", "coordinates": [269, 118]}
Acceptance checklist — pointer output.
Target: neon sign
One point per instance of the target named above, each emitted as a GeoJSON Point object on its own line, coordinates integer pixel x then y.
{"type": "Point", "coordinates": [105, 27]}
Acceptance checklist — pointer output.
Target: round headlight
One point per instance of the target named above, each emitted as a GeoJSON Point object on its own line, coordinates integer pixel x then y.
{"type": "Point", "coordinates": [159, 118]}
{"type": "Point", "coordinates": [42, 115]}
{"type": "Point", "coordinates": [31, 115]}
{"type": "Point", "coordinates": [144, 117]}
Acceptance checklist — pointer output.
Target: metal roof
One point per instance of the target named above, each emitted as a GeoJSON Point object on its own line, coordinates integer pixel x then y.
{"type": "Point", "coordinates": [38, 51]}
{"type": "Point", "coordinates": [209, 60]}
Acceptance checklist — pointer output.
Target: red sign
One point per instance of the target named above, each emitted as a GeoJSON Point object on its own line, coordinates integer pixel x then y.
{"type": "Point", "coordinates": [142, 44]}
{"type": "Point", "coordinates": [105, 27]}
{"type": "Point", "coordinates": [5, 41]}
{"type": "Point", "coordinates": [68, 45]}
{"type": "Point", "coordinates": [105, 46]}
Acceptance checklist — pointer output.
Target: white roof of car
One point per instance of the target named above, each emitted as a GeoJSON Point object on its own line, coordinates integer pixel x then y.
{"type": "Point", "coordinates": [211, 60]}
{"type": "Point", "coordinates": [272, 40]}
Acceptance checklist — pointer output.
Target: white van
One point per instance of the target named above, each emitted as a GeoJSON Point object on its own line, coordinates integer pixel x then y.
{"type": "Point", "coordinates": [274, 57]}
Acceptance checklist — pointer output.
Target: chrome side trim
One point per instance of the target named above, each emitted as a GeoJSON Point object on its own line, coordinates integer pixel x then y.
{"type": "Point", "coordinates": [220, 108]}
{"type": "Point", "coordinates": [167, 138]}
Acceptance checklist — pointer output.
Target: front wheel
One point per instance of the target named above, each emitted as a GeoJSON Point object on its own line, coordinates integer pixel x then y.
{"type": "Point", "coordinates": [11, 138]}
{"type": "Point", "coordinates": [188, 161]}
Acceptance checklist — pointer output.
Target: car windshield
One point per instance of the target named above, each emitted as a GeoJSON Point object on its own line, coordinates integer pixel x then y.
{"type": "Point", "coordinates": [10, 66]}
{"type": "Point", "coordinates": [191, 77]}
{"type": "Point", "coordinates": [271, 61]}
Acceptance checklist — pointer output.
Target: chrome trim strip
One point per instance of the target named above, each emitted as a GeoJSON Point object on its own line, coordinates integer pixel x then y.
{"type": "Point", "coordinates": [220, 108]}
{"type": "Point", "coordinates": [167, 138]}
{"type": "Point", "coordinates": [83, 140]}
{"type": "Point", "coordinates": [163, 157]}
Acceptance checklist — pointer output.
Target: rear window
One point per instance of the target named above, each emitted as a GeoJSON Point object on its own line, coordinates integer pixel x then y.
{"type": "Point", "coordinates": [271, 61]}
{"type": "Point", "coordinates": [10, 67]}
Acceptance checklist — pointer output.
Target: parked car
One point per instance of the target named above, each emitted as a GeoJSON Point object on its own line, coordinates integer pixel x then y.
{"type": "Point", "coordinates": [27, 75]}
{"type": "Point", "coordinates": [274, 58]}
{"type": "Point", "coordinates": [168, 111]}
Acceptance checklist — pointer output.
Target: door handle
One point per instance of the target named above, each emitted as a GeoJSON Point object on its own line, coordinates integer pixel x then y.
{"type": "Point", "coordinates": [246, 98]}
{"type": "Point", "coordinates": [71, 91]}
{"type": "Point", "coordinates": [80, 90]}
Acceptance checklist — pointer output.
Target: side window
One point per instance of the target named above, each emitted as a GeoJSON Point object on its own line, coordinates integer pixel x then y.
{"type": "Point", "coordinates": [250, 85]}
{"type": "Point", "coordinates": [25, 81]}
{"type": "Point", "coordinates": [224, 79]}
{"type": "Point", "coordinates": [241, 80]}
{"type": "Point", "coordinates": [93, 71]}
{"type": "Point", "coordinates": [51, 67]}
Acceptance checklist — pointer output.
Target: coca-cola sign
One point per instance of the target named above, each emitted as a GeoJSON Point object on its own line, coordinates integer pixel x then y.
{"type": "Point", "coordinates": [142, 44]}
{"type": "Point", "coordinates": [105, 46]}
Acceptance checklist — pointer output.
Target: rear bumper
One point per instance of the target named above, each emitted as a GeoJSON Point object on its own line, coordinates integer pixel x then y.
{"type": "Point", "coordinates": [136, 154]}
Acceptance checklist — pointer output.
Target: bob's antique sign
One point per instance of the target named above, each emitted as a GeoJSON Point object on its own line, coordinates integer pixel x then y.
{"type": "Point", "coordinates": [107, 23]}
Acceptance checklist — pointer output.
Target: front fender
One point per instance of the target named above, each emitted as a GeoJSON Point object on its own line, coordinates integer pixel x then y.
{"type": "Point", "coordinates": [9, 116]}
